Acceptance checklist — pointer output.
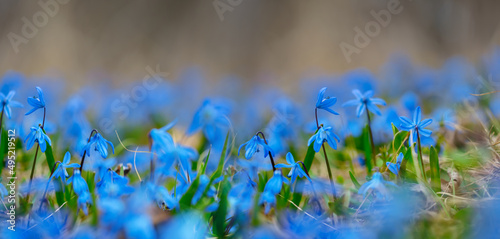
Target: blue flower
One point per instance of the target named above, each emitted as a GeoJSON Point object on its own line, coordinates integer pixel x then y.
{"type": "Point", "coordinates": [79, 184]}
{"type": "Point", "coordinates": [365, 102]}
{"type": "Point", "coordinates": [324, 134]}
{"type": "Point", "coordinates": [36, 102]}
{"type": "Point", "coordinates": [295, 170]}
{"type": "Point", "coordinates": [417, 125]}
{"type": "Point", "coordinates": [112, 184]}
{"type": "Point", "coordinates": [99, 144]}
{"type": "Point", "coordinates": [377, 185]}
{"type": "Point", "coordinates": [212, 119]}
{"type": "Point", "coordinates": [7, 102]}
{"type": "Point", "coordinates": [269, 199]}
{"type": "Point", "coordinates": [60, 171]}
{"type": "Point", "coordinates": [325, 103]}
{"type": "Point", "coordinates": [275, 183]}
{"type": "Point", "coordinates": [394, 167]}
{"type": "Point", "coordinates": [162, 141]}
{"type": "Point", "coordinates": [84, 199]}
{"type": "Point", "coordinates": [252, 146]}
{"type": "Point", "coordinates": [37, 135]}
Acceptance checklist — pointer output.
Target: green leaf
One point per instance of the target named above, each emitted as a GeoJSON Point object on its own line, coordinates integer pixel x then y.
{"type": "Point", "coordinates": [49, 156]}
{"type": "Point", "coordinates": [185, 201]}
{"type": "Point", "coordinates": [367, 150]}
{"type": "Point", "coordinates": [398, 141]}
{"type": "Point", "coordinates": [219, 219]}
{"type": "Point", "coordinates": [354, 180]}
{"type": "Point", "coordinates": [435, 171]}
{"type": "Point", "coordinates": [308, 160]}
{"type": "Point", "coordinates": [394, 129]}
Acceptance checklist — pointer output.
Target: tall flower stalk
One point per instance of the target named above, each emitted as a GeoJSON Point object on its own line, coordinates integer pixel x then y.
{"type": "Point", "coordinates": [417, 128]}
{"type": "Point", "coordinates": [325, 134]}
{"type": "Point", "coordinates": [37, 134]}
{"type": "Point", "coordinates": [365, 102]}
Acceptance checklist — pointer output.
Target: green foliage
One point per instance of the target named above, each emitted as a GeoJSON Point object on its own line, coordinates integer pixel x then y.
{"type": "Point", "coordinates": [219, 216]}
{"type": "Point", "coordinates": [435, 170]}
{"type": "Point", "coordinates": [354, 180]}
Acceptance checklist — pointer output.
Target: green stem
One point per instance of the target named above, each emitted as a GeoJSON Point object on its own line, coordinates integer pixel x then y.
{"type": "Point", "coordinates": [326, 158]}
{"type": "Point", "coordinates": [420, 155]}
{"type": "Point", "coordinates": [371, 137]}
{"type": "Point", "coordinates": [270, 155]}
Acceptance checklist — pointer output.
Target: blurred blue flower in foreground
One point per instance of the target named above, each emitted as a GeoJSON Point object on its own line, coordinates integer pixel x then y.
{"type": "Point", "coordinates": [325, 103]}
{"type": "Point", "coordinates": [36, 102]}
{"type": "Point", "coordinates": [7, 102]}
{"type": "Point", "coordinates": [365, 102]}
{"type": "Point", "coordinates": [79, 184]}
{"type": "Point", "coordinates": [60, 171]}
{"type": "Point", "coordinates": [324, 134]}
{"type": "Point", "coordinates": [37, 135]}
{"type": "Point", "coordinates": [98, 143]}
{"type": "Point", "coordinates": [394, 167]}
{"type": "Point", "coordinates": [416, 126]}
{"type": "Point", "coordinates": [295, 171]}
{"type": "Point", "coordinates": [376, 185]}
{"type": "Point", "coordinates": [185, 225]}
{"type": "Point", "coordinates": [252, 146]}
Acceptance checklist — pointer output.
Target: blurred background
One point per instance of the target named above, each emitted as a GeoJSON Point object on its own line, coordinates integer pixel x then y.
{"type": "Point", "coordinates": [257, 41]}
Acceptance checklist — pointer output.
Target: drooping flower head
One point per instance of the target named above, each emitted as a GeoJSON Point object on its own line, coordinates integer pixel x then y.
{"type": "Point", "coordinates": [79, 184]}
{"type": "Point", "coordinates": [273, 187]}
{"type": "Point", "coordinates": [324, 134]}
{"type": "Point", "coordinates": [60, 171]}
{"type": "Point", "coordinates": [376, 185]}
{"type": "Point", "coordinates": [395, 167]}
{"type": "Point", "coordinates": [325, 103]}
{"type": "Point", "coordinates": [98, 143]}
{"type": "Point", "coordinates": [37, 135]}
{"type": "Point", "coordinates": [295, 169]}
{"type": "Point", "coordinates": [275, 183]}
{"type": "Point", "coordinates": [417, 125]}
{"type": "Point", "coordinates": [365, 102]}
{"type": "Point", "coordinates": [36, 102]}
{"type": "Point", "coordinates": [253, 146]}
{"type": "Point", "coordinates": [7, 102]}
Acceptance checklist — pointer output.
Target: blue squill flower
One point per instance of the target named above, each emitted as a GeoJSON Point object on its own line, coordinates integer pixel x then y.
{"type": "Point", "coordinates": [112, 184]}
{"type": "Point", "coordinates": [417, 125]}
{"type": "Point", "coordinates": [84, 199]}
{"type": "Point", "coordinates": [275, 183]}
{"type": "Point", "coordinates": [376, 185]}
{"type": "Point", "coordinates": [79, 184]}
{"type": "Point", "coordinates": [37, 135]}
{"type": "Point", "coordinates": [36, 102]}
{"type": "Point", "coordinates": [60, 171]}
{"type": "Point", "coordinates": [7, 102]}
{"type": "Point", "coordinates": [212, 119]}
{"type": "Point", "coordinates": [98, 143]}
{"type": "Point", "coordinates": [295, 171]}
{"type": "Point", "coordinates": [324, 134]}
{"type": "Point", "coordinates": [252, 146]}
{"type": "Point", "coordinates": [325, 103]}
{"type": "Point", "coordinates": [365, 102]}
{"type": "Point", "coordinates": [395, 167]}
{"type": "Point", "coordinates": [161, 140]}
{"type": "Point", "coordinates": [269, 199]}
